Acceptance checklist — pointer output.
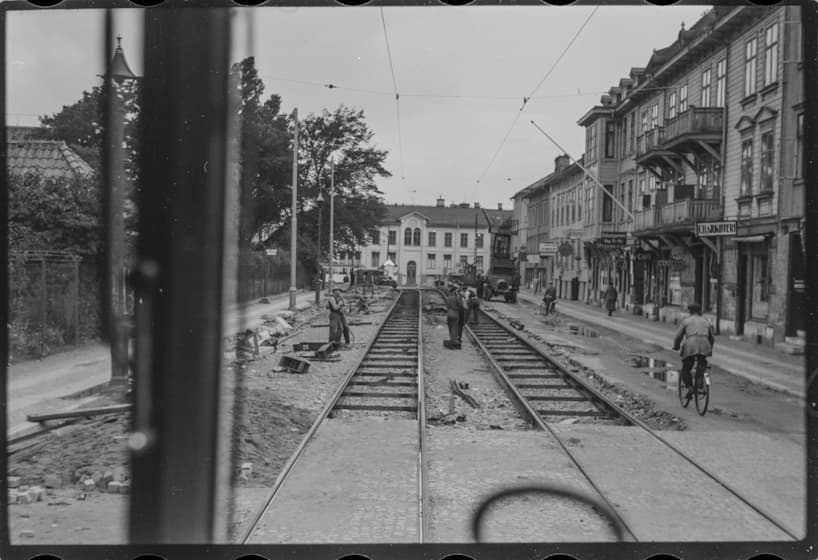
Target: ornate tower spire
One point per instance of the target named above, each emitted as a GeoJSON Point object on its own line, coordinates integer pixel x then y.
{"type": "Point", "coordinates": [119, 68]}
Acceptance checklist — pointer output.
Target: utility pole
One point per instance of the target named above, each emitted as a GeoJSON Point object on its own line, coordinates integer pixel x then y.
{"type": "Point", "coordinates": [294, 223]}
{"type": "Point", "coordinates": [331, 218]}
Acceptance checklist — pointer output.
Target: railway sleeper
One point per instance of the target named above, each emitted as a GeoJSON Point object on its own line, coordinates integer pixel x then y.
{"type": "Point", "coordinates": [345, 406]}
{"type": "Point", "coordinates": [587, 413]}
{"type": "Point", "coordinates": [373, 394]}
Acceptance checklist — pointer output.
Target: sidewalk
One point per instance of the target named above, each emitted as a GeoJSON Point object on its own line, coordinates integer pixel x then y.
{"type": "Point", "coordinates": [40, 385]}
{"type": "Point", "coordinates": [765, 366]}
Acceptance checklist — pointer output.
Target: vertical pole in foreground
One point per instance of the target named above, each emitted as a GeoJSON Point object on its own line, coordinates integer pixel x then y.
{"type": "Point", "coordinates": [331, 217]}
{"type": "Point", "coordinates": [294, 223]}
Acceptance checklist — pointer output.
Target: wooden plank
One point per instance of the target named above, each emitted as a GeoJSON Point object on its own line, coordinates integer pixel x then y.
{"type": "Point", "coordinates": [113, 409]}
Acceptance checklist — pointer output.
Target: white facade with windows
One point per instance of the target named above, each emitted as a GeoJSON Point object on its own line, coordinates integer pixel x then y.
{"type": "Point", "coordinates": [427, 243]}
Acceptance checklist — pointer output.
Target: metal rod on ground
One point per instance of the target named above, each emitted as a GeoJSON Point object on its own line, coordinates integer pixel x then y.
{"type": "Point", "coordinates": [588, 173]}
{"type": "Point", "coordinates": [294, 223]}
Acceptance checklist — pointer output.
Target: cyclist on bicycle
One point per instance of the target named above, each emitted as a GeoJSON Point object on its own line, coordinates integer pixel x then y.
{"type": "Point", "coordinates": [695, 336]}
{"type": "Point", "coordinates": [549, 298]}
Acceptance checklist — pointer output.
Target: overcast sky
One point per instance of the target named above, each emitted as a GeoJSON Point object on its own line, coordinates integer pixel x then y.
{"type": "Point", "coordinates": [461, 73]}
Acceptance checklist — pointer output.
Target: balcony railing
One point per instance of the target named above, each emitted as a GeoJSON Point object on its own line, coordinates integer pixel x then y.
{"type": "Point", "coordinates": [648, 141]}
{"type": "Point", "coordinates": [646, 219]}
{"type": "Point", "coordinates": [682, 212]}
{"type": "Point", "coordinates": [696, 120]}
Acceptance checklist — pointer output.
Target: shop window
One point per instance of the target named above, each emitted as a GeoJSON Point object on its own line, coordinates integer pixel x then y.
{"type": "Point", "coordinates": [760, 287]}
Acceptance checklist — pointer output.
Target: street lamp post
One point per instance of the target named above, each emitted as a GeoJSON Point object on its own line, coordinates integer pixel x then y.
{"type": "Point", "coordinates": [117, 73]}
{"type": "Point", "coordinates": [331, 217]}
{"type": "Point", "coordinates": [294, 222]}
{"type": "Point", "coordinates": [320, 201]}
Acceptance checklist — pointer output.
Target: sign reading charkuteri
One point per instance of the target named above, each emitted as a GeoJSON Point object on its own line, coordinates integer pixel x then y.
{"type": "Point", "coordinates": [706, 229]}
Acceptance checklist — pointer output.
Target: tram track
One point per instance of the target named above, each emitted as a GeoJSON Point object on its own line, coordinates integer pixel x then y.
{"type": "Point", "coordinates": [384, 388]}
{"type": "Point", "coordinates": [528, 374]}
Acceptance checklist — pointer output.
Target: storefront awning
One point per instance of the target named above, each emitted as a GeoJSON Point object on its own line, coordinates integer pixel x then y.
{"type": "Point", "coordinates": [751, 239]}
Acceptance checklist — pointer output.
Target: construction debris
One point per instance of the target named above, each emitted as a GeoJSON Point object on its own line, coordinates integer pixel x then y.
{"type": "Point", "coordinates": [459, 389]}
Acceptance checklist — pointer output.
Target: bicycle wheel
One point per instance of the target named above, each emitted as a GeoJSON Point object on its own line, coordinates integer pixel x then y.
{"type": "Point", "coordinates": [702, 392]}
{"type": "Point", "coordinates": [684, 394]}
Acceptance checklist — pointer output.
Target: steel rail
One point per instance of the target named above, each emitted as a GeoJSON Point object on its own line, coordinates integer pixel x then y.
{"type": "Point", "coordinates": [637, 422]}
{"type": "Point", "coordinates": [299, 451]}
{"type": "Point", "coordinates": [423, 509]}
{"type": "Point", "coordinates": [544, 426]}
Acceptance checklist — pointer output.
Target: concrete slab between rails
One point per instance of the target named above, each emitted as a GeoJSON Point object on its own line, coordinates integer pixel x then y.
{"type": "Point", "coordinates": [356, 482]}
{"type": "Point", "coordinates": [664, 497]}
{"type": "Point", "coordinates": [775, 370]}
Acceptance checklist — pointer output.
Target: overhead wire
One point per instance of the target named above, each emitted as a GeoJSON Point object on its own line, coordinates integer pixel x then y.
{"type": "Point", "coordinates": [397, 95]}
{"type": "Point", "coordinates": [533, 91]}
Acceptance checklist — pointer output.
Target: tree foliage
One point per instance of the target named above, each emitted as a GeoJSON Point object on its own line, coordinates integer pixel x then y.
{"type": "Point", "coordinates": [80, 125]}
{"type": "Point", "coordinates": [266, 172]}
{"type": "Point", "coordinates": [51, 214]}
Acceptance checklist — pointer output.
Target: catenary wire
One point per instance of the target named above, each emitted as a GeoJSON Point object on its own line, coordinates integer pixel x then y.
{"type": "Point", "coordinates": [525, 99]}
{"type": "Point", "coordinates": [397, 95]}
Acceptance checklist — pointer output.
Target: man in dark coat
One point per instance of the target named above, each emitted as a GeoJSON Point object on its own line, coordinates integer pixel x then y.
{"type": "Point", "coordinates": [610, 299]}
{"type": "Point", "coordinates": [453, 317]}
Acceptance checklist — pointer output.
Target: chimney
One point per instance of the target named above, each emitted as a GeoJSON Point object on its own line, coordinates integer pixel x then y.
{"type": "Point", "coordinates": [499, 205]}
{"type": "Point", "coordinates": [561, 162]}
{"type": "Point", "coordinates": [477, 205]}
{"type": "Point", "coordinates": [464, 204]}
{"type": "Point", "coordinates": [440, 202]}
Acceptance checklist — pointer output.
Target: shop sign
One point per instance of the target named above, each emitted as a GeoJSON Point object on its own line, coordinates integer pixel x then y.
{"type": "Point", "coordinates": [272, 252]}
{"type": "Point", "coordinates": [610, 240]}
{"type": "Point", "coordinates": [548, 248]}
{"type": "Point", "coordinates": [708, 229]}
{"type": "Point", "coordinates": [533, 259]}
{"type": "Point", "coordinates": [673, 264]}
{"type": "Point", "coordinates": [566, 249]}
{"type": "Point", "coordinates": [643, 256]}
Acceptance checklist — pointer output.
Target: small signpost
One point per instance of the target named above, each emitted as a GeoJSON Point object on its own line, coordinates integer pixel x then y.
{"type": "Point", "coordinates": [547, 249]}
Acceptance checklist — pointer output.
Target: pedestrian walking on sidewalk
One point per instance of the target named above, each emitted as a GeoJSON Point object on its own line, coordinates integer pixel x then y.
{"type": "Point", "coordinates": [610, 299]}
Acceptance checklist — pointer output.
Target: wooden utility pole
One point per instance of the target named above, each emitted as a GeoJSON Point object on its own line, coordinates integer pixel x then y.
{"type": "Point", "coordinates": [294, 223]}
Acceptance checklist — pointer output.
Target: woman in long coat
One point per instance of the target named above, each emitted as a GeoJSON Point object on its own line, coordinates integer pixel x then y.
{"type": "Point", "coordinates": [336, 318]}
{"type": "Point", "coordinates": [610, 299]}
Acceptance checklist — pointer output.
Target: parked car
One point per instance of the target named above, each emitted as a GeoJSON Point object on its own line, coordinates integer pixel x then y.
{"type": "Point", "coordinates": [386, 281]}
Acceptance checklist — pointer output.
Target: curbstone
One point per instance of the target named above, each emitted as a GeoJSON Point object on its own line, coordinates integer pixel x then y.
{"type": "Point", "coordinates": [23, 498]}
{"type": "Point", "coordinates": [36, 494]}
{"type": "Point", "coordinates": [125, 487]}
{"type": "Point", "coordinates": [119, 474]}
{"type": "Point", "coordinates": [13, 481]}
{"type": "Point", "coordinates": [113, 487]}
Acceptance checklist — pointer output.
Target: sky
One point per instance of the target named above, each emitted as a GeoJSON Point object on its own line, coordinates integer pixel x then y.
{"type": "Point", "coordinates": [461, 74]}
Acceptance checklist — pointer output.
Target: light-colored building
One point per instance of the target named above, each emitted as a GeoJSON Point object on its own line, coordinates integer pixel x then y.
{"type": "Point", "coordinates": [426, 243]}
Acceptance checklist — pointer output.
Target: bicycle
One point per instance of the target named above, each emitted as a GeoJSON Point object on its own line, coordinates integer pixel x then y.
{"type": "Point", "coordinates": [701, 384]}
{"type": "Point", "coordinates": [543, 309]}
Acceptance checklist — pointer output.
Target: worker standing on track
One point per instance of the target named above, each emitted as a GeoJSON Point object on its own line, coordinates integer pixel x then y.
{"type": "Point", "coordinates": [453, 318]}
{"type": "Point", "coordinates": [473, 308]}
{"type": "Point", "coordinates": [337, 321]}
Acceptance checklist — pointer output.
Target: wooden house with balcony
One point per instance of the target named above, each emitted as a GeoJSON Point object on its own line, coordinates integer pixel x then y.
{"type": "Point", "coordinates": [676, 121]}
{"type": "Point", "coordinates": [603, 229]}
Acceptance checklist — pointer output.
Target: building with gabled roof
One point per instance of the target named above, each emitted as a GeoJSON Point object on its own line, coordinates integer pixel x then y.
{"type": "Point", "coordinates": [426, 242]}
{"type": "Point", "coordinates": [51, 159]}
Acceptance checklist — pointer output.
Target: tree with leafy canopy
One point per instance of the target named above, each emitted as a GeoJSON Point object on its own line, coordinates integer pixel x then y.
{"type": "Point", "coordinates": [80, 125]}
{"type": "Point", "coordinates": [266, 172]}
